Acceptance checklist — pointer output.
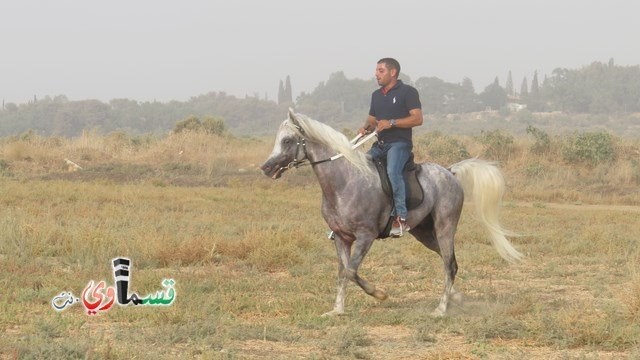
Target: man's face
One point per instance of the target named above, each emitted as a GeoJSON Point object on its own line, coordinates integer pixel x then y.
{"type": "Point", "coordinates": [384, 75]}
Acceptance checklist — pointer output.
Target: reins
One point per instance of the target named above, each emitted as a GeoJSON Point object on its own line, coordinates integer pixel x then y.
{"type": "Point", "coordinates": [356, 141]}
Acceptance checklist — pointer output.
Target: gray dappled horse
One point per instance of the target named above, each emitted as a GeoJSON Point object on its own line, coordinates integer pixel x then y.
{"type": "Point", "coordinates": [356, 209]}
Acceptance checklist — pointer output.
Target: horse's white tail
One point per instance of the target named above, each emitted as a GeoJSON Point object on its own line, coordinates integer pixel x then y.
{"type": "Point", "coordinates": [482, 181]}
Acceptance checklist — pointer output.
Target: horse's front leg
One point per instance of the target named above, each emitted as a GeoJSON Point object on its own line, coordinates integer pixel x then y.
{"type": "Point", "coordinates": [344, 253]}
{"type": "Point", "coordinates": [360, 250]}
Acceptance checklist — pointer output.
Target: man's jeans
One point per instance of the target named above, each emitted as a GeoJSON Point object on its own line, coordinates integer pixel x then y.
{"type": "Point", "coordinates": [397, 154]}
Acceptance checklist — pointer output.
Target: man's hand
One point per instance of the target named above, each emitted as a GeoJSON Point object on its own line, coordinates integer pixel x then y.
{"type": "Point", "coordinates": [369, 126]}
{"type": "Point", "coordinates": [364, 130]}
{"type": "Point", "coordinates": [383, 125]}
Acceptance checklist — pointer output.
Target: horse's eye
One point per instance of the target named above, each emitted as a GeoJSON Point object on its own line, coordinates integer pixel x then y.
{"type": "Point", "coordinates": [286, 141]}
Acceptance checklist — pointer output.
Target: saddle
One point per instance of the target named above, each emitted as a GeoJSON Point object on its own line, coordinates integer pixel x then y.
{"type": "Point", "coordinates": [414, 192]}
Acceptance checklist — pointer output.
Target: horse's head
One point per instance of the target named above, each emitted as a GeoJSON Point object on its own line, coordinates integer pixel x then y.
{"type": "Point", "coordinates": [286, 151]}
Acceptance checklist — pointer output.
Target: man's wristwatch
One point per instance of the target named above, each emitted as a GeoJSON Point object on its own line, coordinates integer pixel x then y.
{"type": "Point", "coordinates": [392, 122]}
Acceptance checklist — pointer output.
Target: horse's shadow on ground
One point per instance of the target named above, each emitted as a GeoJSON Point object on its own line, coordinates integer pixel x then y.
{"type": "Point", "coordinates": [462, 305]}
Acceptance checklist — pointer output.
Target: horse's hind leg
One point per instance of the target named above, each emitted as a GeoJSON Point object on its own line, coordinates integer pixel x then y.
{"type": "Point", "coordinates": [450, 270]}
{"type": "Point", "coordinates": [439, 238]}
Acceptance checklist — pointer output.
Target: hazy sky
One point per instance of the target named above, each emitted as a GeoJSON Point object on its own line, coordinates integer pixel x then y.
{"type": "Point", "coordinates": [172, 50]}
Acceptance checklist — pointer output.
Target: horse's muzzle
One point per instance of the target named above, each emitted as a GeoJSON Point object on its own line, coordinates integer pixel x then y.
{"type": "Point", "coordinates": [272, 170]}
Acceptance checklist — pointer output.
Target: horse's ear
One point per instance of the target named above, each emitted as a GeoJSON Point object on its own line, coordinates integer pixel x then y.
{"type": "Point", "coordinates": [294, 120]}
{"type": "Point", "coordinates": [292, 116]}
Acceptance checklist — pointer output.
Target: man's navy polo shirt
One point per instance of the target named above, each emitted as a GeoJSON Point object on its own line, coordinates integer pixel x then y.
{"type": "Point", "coordinates": [395, 104]}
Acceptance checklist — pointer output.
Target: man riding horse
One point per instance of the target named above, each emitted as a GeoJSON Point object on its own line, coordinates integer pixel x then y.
{"type": "Point", "coordinates": [395, 110]}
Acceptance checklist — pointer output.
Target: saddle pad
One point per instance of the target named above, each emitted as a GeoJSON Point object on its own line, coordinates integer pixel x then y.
{"type": "Point", "coordinates": [414, 192]}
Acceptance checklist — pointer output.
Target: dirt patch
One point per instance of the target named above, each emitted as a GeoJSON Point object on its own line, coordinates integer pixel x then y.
{"type": "Point", "coordinates": [261, 349]}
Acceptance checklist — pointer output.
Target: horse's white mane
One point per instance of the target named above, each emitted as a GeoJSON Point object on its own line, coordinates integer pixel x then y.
{"type": "Point", "coordinates": [332, 138]}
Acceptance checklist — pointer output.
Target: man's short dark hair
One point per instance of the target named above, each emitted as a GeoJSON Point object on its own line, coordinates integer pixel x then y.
{"type": "Point", "coordinates": [391, 63]}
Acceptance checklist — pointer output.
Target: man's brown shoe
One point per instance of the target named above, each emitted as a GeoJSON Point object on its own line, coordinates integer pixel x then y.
{"type": "Point", "coordinates": [398, 228]}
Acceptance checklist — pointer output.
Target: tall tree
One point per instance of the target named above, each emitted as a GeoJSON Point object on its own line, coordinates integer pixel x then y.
{"type": "Point", "coordinates": [447, 98]}
{"type": "Point", "coordinates": [524, 88]}
{"type": "Point", "coordinates": [288, 97]}
{"type": "Point", "coordinates": [469, 101]}
{"type": "Point", "coordinates": [467, 85]}
{"type": "Point", "coordinates": [534, 83]}
{"type": "Point", "coordinates": [535, 101]}
{"type": "Point", "coordinates": [281, 95]}
{"type": "Point", "coordinates": [509, 85]}
{"type": "Point", "coordinates": [494, 96]}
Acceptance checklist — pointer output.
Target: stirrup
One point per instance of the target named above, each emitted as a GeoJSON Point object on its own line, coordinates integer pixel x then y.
{"type": "Point", "coordinates": [400, 229]}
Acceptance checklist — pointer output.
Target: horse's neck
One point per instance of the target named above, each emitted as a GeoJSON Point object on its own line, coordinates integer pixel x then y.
{"type": "Point", "coordinates": [334, 176]}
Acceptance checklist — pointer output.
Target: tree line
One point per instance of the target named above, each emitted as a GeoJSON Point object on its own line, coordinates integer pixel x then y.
{"type": "Point", "coordinates": [598, 88]}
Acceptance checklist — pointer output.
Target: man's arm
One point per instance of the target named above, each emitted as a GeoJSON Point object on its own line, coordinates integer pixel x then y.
{"type": "Point", "coordinates": [414, 119]}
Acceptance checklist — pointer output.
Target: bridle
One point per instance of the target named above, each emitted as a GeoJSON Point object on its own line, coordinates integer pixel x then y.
{"type": "Point", "coordinates": [306, 160]}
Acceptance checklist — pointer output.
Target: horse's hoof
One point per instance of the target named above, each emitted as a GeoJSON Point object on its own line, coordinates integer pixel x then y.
{"type": "Point", "coordinates": [437, 313]}
{"type": "Point", "coordinates": [380, 295]}
{"type": "Point", "coordinates": [333, 313]}
{"type": "Point", "coordinates": [457, 297]}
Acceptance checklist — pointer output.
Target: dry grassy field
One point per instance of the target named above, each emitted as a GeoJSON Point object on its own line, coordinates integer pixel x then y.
{"type": "Point", "coordinates": [254, 271]}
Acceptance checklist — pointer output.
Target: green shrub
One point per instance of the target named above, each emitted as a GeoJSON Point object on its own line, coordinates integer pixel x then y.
{"type": "Point", "coordinates": [191, 123]}
{"type": "Point", "coordinates": [589, 148]}
{"type": "Point", "coordinates": [210, 125]}
{"type": "Point", "coordinates": [635, 166]}
{"type": "Point", "coordinates": [28, 135]}
{"type": "Point", "coordinates": [497, 144]}
{"type": "Point", "coordinates": [4, 165]}
{"type": "Point", "coordinates": [443, 148]}
{"type": "Point", "coordinates": [213, 126]}
{"type": "Point", "coordinates": [543, 142]}
{"type": "Point", "coordinates": [535, 169]}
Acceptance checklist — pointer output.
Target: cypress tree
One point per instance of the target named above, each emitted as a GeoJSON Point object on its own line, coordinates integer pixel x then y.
{"type": "Point", "coordinates": [534, 83]}
{"type": "Point", "coordinates": [281, 93]}
{"type": "Point", "coordinates": [509, 85]}
{"type": "Point", "coordinates": [288, 97]}
{"type": "Point", "coordinates": [524, 89]}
